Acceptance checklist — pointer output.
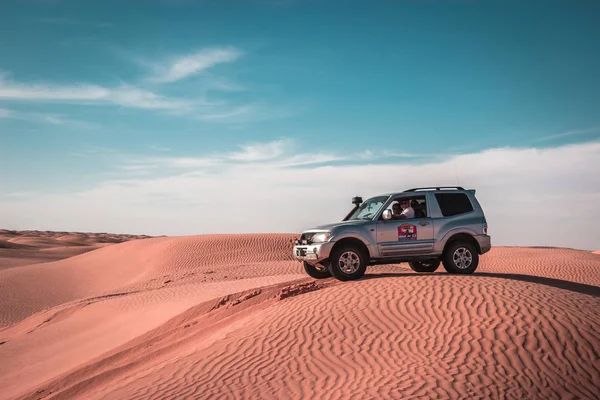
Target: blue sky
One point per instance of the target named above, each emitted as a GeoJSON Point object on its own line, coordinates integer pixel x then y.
{"type": "Point", "coordinates": [94, 94]}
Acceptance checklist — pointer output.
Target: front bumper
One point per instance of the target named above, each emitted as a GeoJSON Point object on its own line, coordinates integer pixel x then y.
{"type": "Point", "coordinates": [312, 253]}
{"type": "Point", "coordinates": [485, 243]}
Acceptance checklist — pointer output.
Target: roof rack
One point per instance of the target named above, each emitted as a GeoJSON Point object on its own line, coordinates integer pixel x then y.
{"type": "Point", "coordinates": [436, 188]}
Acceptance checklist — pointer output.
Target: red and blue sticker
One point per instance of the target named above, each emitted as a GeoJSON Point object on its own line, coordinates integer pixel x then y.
{"type": "Point", "coordinates": [407, 232]}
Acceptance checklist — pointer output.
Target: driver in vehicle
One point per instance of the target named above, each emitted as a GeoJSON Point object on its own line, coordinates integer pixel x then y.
{"type": "Point", "coordinates": [407, 210]}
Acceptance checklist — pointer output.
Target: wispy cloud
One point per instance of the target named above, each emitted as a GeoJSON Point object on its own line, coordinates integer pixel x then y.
{"type": "Point", "coordinates": [307, 159]}
{"type": "Point", "coordinates": [226, 115]}
{"type": "Point", "coordinates": [46, 118]}
{"type": "Point", "coordinates": [243, 114]}
{"type": "Point", "coordinates": [172, 162]}
{"type": "Point", "coordinates": [56, 119]}
{"type": "Point", "coordinates": [365, 155]}
{"type": "Point", "coordinates": [130, 96]}
{"type": "Point", "coordinates": [192, 64]}
{"type": "Point", "coordinates": [145, 95]}
{"type": "Point", "coordinates": [575, 132]}
{"type": "Point", "coordinates": [159, 148]}
{"type": "Point", "coordinates": [278, 153]}
{"type": "Point", "coordinates": [387, 153]}
{"type": "Point", "coordinates": [124, 95]}
{"type": "Point", "coordinates": [262, 151]}
{"type": "Point", "coordinates": [97, 151]}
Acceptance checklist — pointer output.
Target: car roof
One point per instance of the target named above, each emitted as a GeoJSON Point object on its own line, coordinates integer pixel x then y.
{"type": "Point", "coordinates": [436, 189]}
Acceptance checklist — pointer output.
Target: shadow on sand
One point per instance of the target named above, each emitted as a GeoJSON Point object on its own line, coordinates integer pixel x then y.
{"type": "Point", "coordinates": [557, 283]}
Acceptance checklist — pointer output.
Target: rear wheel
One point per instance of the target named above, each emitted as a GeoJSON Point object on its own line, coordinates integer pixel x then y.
{"type": "Point", "coordinates": [318, 271]}
{"type": "Point", "coordinates": [425, 266]}
{"type": "Point", "coordinates": [460, 258]}
{"type": "Point", "coordinates": [347, 262]}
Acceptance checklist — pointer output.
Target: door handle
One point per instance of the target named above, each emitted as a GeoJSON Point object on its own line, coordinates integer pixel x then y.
{"type": "Point", "coordinates": [423, 223]}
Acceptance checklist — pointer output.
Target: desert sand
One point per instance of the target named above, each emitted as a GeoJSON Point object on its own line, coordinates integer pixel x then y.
{"type": "Point", "coordinates": [234, 316]}
{"type": "Point", "coordinates": [31, 247]}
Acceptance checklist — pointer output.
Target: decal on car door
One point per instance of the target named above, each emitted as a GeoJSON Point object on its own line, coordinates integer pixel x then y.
{"type": "Point", "coordinates": [407, 232]}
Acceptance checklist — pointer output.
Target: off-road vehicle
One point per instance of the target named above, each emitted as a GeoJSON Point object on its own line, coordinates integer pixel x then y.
{"type": "Point", "coordinates": [448, 227]}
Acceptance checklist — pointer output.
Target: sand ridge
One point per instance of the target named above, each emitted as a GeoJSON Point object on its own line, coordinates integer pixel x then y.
{"type": "Point", "coordinates": [235, 316]}
{"type": "Point", "coordinates": [19, 248]}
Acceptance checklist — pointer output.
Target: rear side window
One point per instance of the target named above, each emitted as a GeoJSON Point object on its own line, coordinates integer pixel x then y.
{"type": "Point", "coordinates": [453, 203]}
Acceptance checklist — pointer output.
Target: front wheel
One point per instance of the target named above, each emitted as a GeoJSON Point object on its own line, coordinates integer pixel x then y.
{"type": "Point", "coordinates": [347, 262]}
{"type": "Point", "coordinates": [318, 271]}
{"type": "Point", "coordinates": [425, 266]}
{"type": "Point", "coordinates": [460, 258]}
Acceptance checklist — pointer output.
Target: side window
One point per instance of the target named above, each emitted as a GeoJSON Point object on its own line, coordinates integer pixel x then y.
{"type": "Point", "coordinates": [453, 203]}
{"type": "Point", "coordinates": [417, 203]}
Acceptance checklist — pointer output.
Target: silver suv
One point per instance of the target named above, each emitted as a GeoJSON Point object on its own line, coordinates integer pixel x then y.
{"type": "Point", "coordinates": [444, 225]}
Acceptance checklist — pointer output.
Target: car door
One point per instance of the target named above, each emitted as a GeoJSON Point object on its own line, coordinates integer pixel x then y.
{"type": "Point", "coordinates": [405, 237]}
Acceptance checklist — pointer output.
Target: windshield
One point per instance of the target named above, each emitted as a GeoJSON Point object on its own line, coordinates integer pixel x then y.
{"type": "Point", "coordinates": [369, 208]}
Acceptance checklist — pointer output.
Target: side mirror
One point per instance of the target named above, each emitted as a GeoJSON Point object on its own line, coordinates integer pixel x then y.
{"type": "Point", "coordinates": [387, 214]}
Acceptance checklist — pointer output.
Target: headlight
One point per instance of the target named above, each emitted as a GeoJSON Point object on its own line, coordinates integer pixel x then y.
{"type": "Point", "coordinates": [321, 237]}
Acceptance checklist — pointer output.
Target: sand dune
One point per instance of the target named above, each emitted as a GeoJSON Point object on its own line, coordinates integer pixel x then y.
{"type": "Point", "coordinates": [19, 248]}
{"type": "Point", "coordinates": [388, 338]}
{"type": "Point", "coordinates": [234, 316]}
{"type": "Point", "coordinates": [142, 265]}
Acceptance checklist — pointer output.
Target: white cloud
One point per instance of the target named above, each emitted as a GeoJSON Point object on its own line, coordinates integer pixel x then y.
{"type": "Point", "coordinates": [129, 96]}
{"type": "Point", "coordinates": [530, 196]}
{"type": "Point", "coordinates": [125, 95]}
{"type": "Point", "coordinates": [195, 63]}
{"type": "Point", "coordinates": [262, 151]}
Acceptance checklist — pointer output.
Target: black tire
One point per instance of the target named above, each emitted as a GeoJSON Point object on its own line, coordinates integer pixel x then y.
{"type": "Point", "coordinates": [454, 263]}
{"type": "Point", "coordinates": [347, 262]}
{"type": "Point", "coordinates": [425, 266]}
{"type": "Point", "coordinates": [319, 271]}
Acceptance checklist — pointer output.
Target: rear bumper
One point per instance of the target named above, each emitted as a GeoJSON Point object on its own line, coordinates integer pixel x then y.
{"type": "Point", "coordinates": [485, 243]}
{"type": "Point", "coordinates": [313, 253]}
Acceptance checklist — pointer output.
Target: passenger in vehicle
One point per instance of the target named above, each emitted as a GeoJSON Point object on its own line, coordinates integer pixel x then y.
{"type": "Point", "coordinates": [396, 210]}
{"type": "Point", "coordinates": [407, 210]}
{"type": "Point", "coordinates": [419, 209]}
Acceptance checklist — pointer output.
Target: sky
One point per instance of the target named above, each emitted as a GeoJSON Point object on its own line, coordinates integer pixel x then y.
{"type": "Point", "coordinates": [192, 117]}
